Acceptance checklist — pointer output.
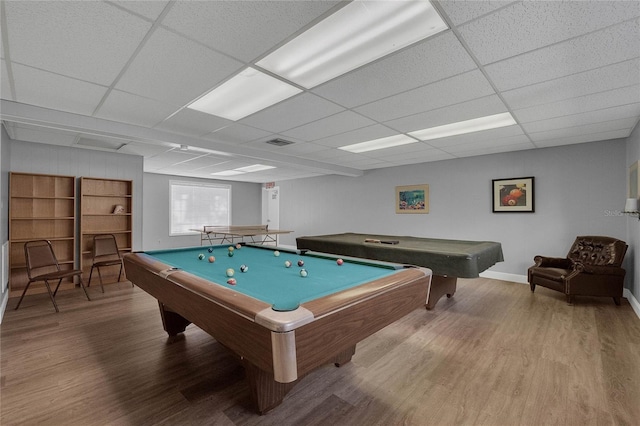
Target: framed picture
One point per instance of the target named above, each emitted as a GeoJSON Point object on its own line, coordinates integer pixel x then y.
{"type": "Point", "coordinates": [412, 199]}
{"type": "Point", "coordinates": [513, 195]}
{"type": "Point", "coordinates": [634, 183]}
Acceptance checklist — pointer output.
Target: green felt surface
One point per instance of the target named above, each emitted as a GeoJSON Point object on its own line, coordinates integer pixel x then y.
{"type": "Point", "coordinates": [267, 278]}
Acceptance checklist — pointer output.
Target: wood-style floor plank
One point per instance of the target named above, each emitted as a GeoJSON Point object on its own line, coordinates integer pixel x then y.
{"type": "Point", "coordinates": [494, 354]}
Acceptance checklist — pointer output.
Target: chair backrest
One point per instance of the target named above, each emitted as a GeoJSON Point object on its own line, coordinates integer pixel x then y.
{"type": "Point", "coordinates": [40, 258]}
{"type": "Point", "coordinates": [105, 247]}
{"type": "Point", "coordinates": [598, 250]}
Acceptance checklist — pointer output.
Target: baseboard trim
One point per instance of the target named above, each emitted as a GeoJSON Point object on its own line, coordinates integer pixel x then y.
{"type": "Point", "coordinates": [503, 276]}
{"type": "Point", "coordinates": [632, 301]}
{"type": "Point", "coordinates": [3, 303]}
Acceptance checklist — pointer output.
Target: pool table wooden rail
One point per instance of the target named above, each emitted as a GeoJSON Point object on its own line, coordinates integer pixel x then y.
{"type": "Point", "coordinates": [274, 360]}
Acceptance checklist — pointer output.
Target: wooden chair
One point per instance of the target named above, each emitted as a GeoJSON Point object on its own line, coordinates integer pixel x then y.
{"type": "Point", "coordinates": [105, 253]}
{"type": "Point", "coordinates": [42, 265]}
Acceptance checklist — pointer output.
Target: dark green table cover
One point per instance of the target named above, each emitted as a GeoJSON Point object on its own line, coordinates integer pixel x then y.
{"type": "Point", "coordinates": [457, 258]}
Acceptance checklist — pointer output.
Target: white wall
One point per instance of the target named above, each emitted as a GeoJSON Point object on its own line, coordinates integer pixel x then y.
{"type": "Point", "coordinates": [5, 154]}
{"type": "Point", "coordinates": [579, 190]}
{"type": "Point", "coordinates": [246, 199]}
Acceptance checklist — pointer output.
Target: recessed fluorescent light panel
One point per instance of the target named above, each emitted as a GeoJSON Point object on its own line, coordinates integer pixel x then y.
{"type": "Point", "coordinates": [468, 126]}
{"type": "Point", "coordinates": [242, 170]}
{"type": "Point", "coordinates": [244, 94]}
{"type": "Point", "coordinates": [355, 35]}
{"type": "Point", "coordinates": [255, 168]}
{"type": "Point", "coordinates": [381, 143]}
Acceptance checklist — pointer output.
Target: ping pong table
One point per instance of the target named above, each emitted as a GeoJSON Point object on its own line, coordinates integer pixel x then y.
{"type": "Point", "coordinates": [256, 234]}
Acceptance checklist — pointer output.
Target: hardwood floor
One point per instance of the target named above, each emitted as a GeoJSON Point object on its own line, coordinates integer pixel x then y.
{"type": "Point", "coordinates": [494, 354]}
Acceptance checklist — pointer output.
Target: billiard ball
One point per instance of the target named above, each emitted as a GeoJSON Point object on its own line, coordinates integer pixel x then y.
{"type": "Point", "coordinates": [244, 268]}
{"type": "Point", "coordinates": [276, 253]}
{"type": "Point", "coordinates": [238, 246]}
{"type": "Point", "coordinates": [212, 259]}
{"type": "Point", "coordinates": [210, 249]}
{"type": "Point", "coordinates": [303, 272]}
{"type": "Point", "coordinates": [230, 253]}
{"type": "Point", "coordinates": [287, 264]}
{"type": "Point", "coordinates": [339, 261]}
{"type": "Point", "coordinates": [201, 256]}
{"type": "Point", "coordinates": [230, 248]}
{"type": "Point", "coordinates": [300, 262]}
{"type": "Point", "coordinates": [230, 272]}
{"type": "Point", "coordinates": [231, 281]}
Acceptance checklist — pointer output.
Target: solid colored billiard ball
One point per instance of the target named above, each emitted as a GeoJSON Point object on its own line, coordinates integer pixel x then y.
{"type": "Point", "coordinates": [300, 262]}
{"type": "Point", "coordinates": [201, 256]}
{"type": "Point", "coordinates": [231, 281]}
{"type": "Point", "coordinates": [339, 261]}
{"type": "Point", "coordinates": [210, 249]}
{"type": "Point", "coordinates": [230, 272]}
{"type": "Point", "coordinates": [303, 272]}
{"type": "Point", "coordinates": [238, 246]}
{"type": "Point", "coordinates": [230, 248]}
{"type": "Point", "coordinates": [212, 259]}
{"type": "Point", "coordinates": [276, 253]}
{"type": "Point", "coordinates": [287, 264]}
{"type": "Point", "coordinates": [230, 253]}
{"type": "Point", "coordinates": [244, 268]}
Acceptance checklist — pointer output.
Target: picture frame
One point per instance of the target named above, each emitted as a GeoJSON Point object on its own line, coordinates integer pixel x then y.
{"type": "Point", "coordinates": [412, 199]}
{"type": "Point", "coordinates": [513, 195]}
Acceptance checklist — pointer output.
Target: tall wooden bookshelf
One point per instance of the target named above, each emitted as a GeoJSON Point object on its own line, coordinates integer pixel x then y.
{"type": "Point", "coordinates": [106, 207]}
{"type": "Point", "coordinates": [40, 207]}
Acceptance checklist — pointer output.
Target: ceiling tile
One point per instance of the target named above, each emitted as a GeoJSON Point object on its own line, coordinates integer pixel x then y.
{"type": "Point", "coordinates": [451, 91]}
{"type": "Point", "coordinates": [293, 112]}
{"type": "Point", "coordinates": [472, 152]}
{"type": "Point", "coordinates": [25, 132]}
{"type": "Point", "coordinates": [601, 127]}
{"type": "Point", "coordinates": [47, 90]}
{"type": "Point", "coordinates": [491, 136]}
{"type": "Point", "coordinates": [584, 119]}
{"type": "Point", "coordinates": [173, 69]}
{"type": "Point", "coordinates": [243, 29]}
{"type": "Point", "coordinates": [191, 122]}
{"type": "Point", "coordinates": [598, 49]}
{"type": "Point", "coordinates": [133, 109]}
{"type": "Point", "coordinates": [364, 134]}
{"type": "Point", "coordinates": [461, 11]}
{"type": "Point", "coordinates": [596, 101]}
{"type": "Point", "coordinates": [87, 40]}
{"type": "Point", "coordinates": [144, 149]}
{"type": "Point", "coordinates": [329, 126]}
{"type": "Point", "coordinates": [237, 133]}
{"type": "Point", "coordinates": [530, 25]}
{"type": "Point", "coordinates": [593, 137]}
{"type": "Point", "coordinates": [427, 62]}
{"type": "Point", "coordinates": [593, 81]}
{"type": "Point", "coordinates": [480, 107]}
{"type": "Point", "coordinates": [149, 9]}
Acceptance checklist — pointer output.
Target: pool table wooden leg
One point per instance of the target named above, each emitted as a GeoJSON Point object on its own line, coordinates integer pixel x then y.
{"type": "Point", "coordinates": [266, 393]}
{"type": "Point", "coordinates": [344, 357]}
{"type": "Point", "coordinates": [440, 285]}
{"type": "Point", "coordinates": [172, 322]}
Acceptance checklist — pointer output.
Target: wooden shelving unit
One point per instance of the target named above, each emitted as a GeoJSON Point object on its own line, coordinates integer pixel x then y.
{"type": "Point", "coordinates": [40, 207]}
{"type": "Point", "coordinates": [99, 199]}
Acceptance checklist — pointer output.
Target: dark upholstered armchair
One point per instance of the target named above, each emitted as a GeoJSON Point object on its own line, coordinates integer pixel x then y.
{"type": "Point", "coordinates": [592, 268]}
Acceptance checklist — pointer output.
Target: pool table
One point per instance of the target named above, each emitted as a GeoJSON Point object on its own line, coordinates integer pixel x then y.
{"type": "Point", "coordinates": [447, 259]}
{"type": "Point", "coordinates": [280, 324]}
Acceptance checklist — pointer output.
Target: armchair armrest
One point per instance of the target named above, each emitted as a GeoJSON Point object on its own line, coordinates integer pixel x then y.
{"type": "Point", "coordinates": [553, 262]}
{"type": "Point", "coordinates": [600, 270]}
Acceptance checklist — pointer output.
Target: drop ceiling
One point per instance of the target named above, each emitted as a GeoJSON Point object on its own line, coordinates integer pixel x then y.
{"type": "Point", "coordinates": [117, 76]}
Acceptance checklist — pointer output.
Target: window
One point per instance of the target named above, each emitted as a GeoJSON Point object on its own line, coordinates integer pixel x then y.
{"type": "Point", "coordinates": [194, 205]}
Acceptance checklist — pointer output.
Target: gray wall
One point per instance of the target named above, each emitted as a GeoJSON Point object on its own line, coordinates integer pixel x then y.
{"type": "Point", "coordinates": [579, 190]}
{"type": "Point", "coordinates": [633, 230]}
{"type": "Point", "coordinates": [246, 200]}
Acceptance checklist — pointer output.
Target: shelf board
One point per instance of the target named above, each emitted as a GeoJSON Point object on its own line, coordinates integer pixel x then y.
{"type": "Point", "coordinates": [96, 232]}
{"type": "Point", "coordinates": [106, 214]}
{"type": "Point", "coordinates": [108, 195]}
{"type": "Point", "coordinates": [45, 218]}
{"type": "Point", "coordinates": [24, 240]}
{"type": "Point", "coordinates": [41, 197]}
